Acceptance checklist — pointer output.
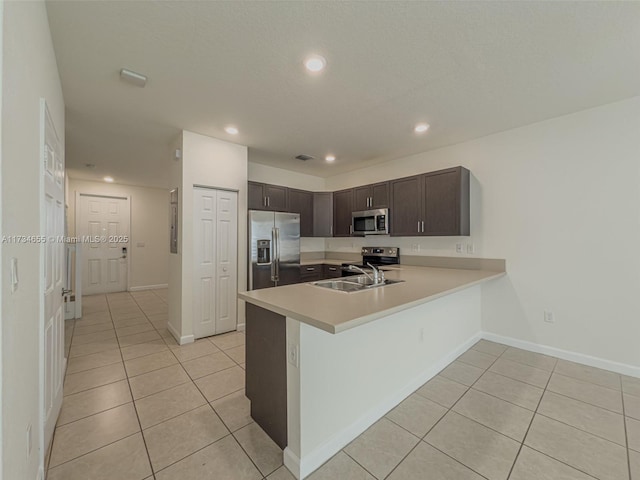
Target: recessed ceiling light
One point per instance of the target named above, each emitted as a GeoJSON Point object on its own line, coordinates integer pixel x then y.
{"type": "Point", "coordinates": [90, 165]}
{"type": "Point", "coordinates": [330, 158]}
{"type": "Point", "coordinates": [315, 63]}
{"type": "Point", "coordinates": [108, 179]}
{"type": "Point", "coordinates": [231, 130]}
{"type": "Point", "coordinates": [421, 127]}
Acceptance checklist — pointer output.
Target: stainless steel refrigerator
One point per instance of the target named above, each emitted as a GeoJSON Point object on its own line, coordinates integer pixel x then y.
{"type": "Point", "coordinates": [274, 249]}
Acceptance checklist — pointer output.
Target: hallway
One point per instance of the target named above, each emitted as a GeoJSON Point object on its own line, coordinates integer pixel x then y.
{"type": "Point", "coordinates": [136, 403]}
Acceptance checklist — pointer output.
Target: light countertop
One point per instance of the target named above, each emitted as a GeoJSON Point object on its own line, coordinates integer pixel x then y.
{"type": "Point", "coordinates": [336, 311]}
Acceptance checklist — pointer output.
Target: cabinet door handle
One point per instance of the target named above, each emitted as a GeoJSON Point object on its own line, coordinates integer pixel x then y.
{"type": "Point", "coordinates": [333, 269]}
{"type": "Point", "coordinates": [418, 226]}
{"type": "Point", "coordinates": [422, 226]}
{"type": "Point", "coordinates": [264, 201]}
{"type": "Point", "coordinates": [268, 201]}
{"type": "Point", "coordinates": [310, 269]}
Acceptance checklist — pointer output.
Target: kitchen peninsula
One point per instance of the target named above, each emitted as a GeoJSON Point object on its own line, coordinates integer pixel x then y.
{"type": "Point", "coordinates": [323, 365]}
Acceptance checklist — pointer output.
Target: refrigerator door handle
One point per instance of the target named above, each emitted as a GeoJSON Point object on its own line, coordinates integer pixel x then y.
{"type": "Point", "coordinates": [273, 255]}
{"type": "Point", "coordinates": [277, 253]}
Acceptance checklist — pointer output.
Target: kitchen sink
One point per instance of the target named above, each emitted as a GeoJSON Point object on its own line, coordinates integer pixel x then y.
{"type": "Point", "coordinates": [353, 284]}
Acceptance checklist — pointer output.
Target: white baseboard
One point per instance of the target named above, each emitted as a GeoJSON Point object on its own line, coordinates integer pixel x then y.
{"type": "Point", "coordinates": [292, 462]}
{"type": "Point", "coordinates": [328, 449]}
{"type": "Point", "coordinates": [241, 327]}
{"type": "Point", "coordinates": [182, 340]}
{"type": "Point", "coordinates": [589, 360]}
{"type": "Point", "coordinates": [148, 287]}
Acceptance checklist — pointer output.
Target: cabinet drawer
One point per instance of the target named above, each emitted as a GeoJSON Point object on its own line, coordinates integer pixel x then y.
{"type": "Point", "coordinates": [310, 273]}
{"type": "Point", "coordinates": [331, 271]}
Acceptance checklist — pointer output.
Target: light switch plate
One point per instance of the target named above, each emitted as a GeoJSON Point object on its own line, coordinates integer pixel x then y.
{"type": "Point", "coordinates": [459, 248]}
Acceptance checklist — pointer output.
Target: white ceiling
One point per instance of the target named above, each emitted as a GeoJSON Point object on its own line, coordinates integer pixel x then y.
{"type": "Point", "coordinates": [467, 68]}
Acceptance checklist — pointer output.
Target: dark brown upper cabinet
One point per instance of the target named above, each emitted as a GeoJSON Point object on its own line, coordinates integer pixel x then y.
{"type": "Point", "coordinates": [322, 214]}
{"type": "Point", "coordinates": [301, 201]}
{"type": "Point", "coordinates": [369, 197]}
{"type": "Point", "coordinates": [406, 207]}
{"type": "Point", "coordinates": [446, 202]}
{"type": "Point", "coordinates": [263, 196]}
{"type": "Point", "coordinates": [431, 204]}
{"type": "Point", "coordinates": [342, 210]}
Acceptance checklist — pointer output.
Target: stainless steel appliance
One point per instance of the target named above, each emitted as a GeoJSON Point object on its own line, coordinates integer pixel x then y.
{"type": "Point", "coordinates": [370, 222]}
{"type": "Point", "coordinates": [274, 249]}
{"type": "Point", "coordinates": [378, 256]}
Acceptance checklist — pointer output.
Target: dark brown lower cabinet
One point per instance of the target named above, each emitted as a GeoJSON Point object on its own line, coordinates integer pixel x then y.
{"type": "Point", "coordinates": [266, 371]}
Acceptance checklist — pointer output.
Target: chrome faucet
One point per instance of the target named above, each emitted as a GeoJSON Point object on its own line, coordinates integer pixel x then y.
{"type": "Point", "coordinates": [378, 275]}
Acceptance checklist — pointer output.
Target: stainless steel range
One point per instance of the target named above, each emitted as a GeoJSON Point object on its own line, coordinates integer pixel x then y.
{"type": "Point", "coordinates": [377, 256]}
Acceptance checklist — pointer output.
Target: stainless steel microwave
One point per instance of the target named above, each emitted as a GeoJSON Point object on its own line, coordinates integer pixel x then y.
{"type": "Point", "coordinates": [370, 222]}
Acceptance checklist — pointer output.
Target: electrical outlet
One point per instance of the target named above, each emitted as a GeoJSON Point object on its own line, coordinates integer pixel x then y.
{"type": "Point", "coordinates": [471, 248]}
{"type": "Point", "coordinates": [293, 356]}
{"type": "Point", "coordinates": [548, 317]}
{"type": "Point", "coordinates": [415, 248]}
{"type": "Point", "coordinates": [459, 248]}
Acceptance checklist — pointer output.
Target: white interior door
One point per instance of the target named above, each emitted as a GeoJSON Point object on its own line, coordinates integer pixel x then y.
{"type": "Point", "coordinates": [226, 261]}
{"type": "Point", "coordinates": [215, 261]}
{"type": "Point", "coordinates": [103, 227]}
{"type": "Point", "coordinates": [53, 279]}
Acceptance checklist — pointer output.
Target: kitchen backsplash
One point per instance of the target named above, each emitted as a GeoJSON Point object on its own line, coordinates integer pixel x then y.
{"type": "Point", "coordinates": [417, 246]}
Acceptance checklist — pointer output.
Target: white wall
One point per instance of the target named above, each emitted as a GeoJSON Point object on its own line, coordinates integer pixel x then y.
{"type": "Point", "coordinates": [278, 176]}
{"type": "Point", "coordinates": [214, 163]}
{"type": "Point", "coordinates": [346, 382]}
{"type": "Point", "coordinates": [148, 265]}
{"type": "Point", "coordinates": [29, 72]}
{"type": "Point", "coordinates": [560, 200]}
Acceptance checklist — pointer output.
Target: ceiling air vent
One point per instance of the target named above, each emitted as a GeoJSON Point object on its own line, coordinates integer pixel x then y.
{"type": "Point", "coordinates": [304, 157]}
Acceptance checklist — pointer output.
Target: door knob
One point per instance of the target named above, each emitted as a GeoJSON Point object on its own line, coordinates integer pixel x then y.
{"type": "Point", "coordinates": [224, 269]}
{"type": "Point", "coordinates": [65, 291]}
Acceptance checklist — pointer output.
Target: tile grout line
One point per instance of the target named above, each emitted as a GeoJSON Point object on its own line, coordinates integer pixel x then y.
{"type": "Point", "coordinates": [135, 409]}
{"type": "Point", "coordinates": [531, 422]}
{"type": "Point", "coordinates": [626, 433]}
{"type": "Point", "coordinates": [207, 403]}
{"type": "Point", "coordinates": [469, 387]}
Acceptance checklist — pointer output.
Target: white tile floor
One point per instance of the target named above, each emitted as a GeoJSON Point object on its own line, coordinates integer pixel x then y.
{"type": "Point", "coordinates": [139, 406]}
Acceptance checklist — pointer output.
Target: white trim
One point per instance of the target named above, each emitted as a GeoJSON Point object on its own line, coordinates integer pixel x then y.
{"type": "Point", "coordinates": [313, 460]}
{"type": "Point", "coordinates": [241, 327]}
{"type": "Point", "coordinates": [181, 340]}
{"type": "Point", "coordinates": [292, 462]}
{"type": "Point", "coordinates": [148, 287]}
{"type": "Point", "coordinates": [582, 358]}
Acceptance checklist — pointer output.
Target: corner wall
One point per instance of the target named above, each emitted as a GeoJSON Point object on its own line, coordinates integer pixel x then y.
{"type": "Point", "coordinates": [149, 265]}
{"type": "Point", "coordinates": [29, 72]}
{"type": "Point", "coordinates": [213, 163]}
{"type": "Point", "coordinates": [560, 201]}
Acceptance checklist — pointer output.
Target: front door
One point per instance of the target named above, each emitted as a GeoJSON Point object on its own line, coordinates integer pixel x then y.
{"type": "Point", "coordinates": [53, 272]}
{"type": "Point", "coordinates": [103, 229]}
{"type": "Point", "coordinates": [215, 251]}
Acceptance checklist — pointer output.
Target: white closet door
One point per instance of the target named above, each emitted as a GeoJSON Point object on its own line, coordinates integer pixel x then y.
{"type": "Point", "coordinates": [204, 225]}
{"type": "Point", "coordinates": [215, 253]}
{"type": "Point", "coordinates": [226, 261]}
